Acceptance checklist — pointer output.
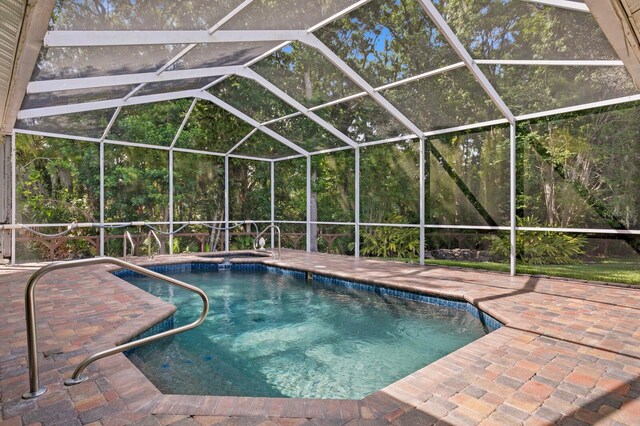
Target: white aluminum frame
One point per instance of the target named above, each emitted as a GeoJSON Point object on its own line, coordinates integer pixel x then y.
{"type": "Point", "coordinates": [220, 103]}
{"type": "Point", "coordinates": [312, 41]}
{"type": "Point", "coordinates": [308, 221]}
{"type": "Point", "coordinates": [563, 4]}
{"type": "Point", "coordinates": [183, 124]}
{"type": "Point", "coordinates": [13, 198]}
{"type": "Point", "coordinates": [215, 35]}
{"type": "Point", "coordinates": [243, 140]}
{"type": "Point", "coordinates": [272, 201]}
{"type": "Point", "coordinates": [512, 199]}
{"type": "Point", "coordinates": [226, 203]}
{"type": "Point", "coordinates": [254, 76]}
{"type": "Point", "coordinates": [422, 209]}
{"type": "Point", "coordinates": [357, 204]}
{"type": "Point", "coordinates": [47, 86]}
{"type": "Point", "coordinates": [102, 231]}
{"type": "Point", "coordinates": [461, 51]}
{"type": "Point", "coordinates": [242, 71]}
{"type": "Point", "coordinates": [145, 38]}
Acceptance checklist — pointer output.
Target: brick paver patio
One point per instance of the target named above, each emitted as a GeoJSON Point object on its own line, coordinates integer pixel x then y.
{"type": "Point", "coordinates": [568, 354]}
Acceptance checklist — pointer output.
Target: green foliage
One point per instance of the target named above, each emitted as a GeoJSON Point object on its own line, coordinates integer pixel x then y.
{"type": "Point", "coordinates": [614, 271]}
{"type": "Point", "coordinates": [389, 183]}
{"type": "Point", "coordinates": [387, 241]}
{"type": "Point", "coordinates": [154, 124]}
{"type": "Point", "coordinates": [241, 242]}
{"type": "Point", "coordinates": [176, 245]}
{"type": "Point", "coordinates": [539, 247]}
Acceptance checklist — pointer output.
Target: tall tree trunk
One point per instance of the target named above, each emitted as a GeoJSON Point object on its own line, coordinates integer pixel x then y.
{"type": "Point", "coordinates": [313, 214]}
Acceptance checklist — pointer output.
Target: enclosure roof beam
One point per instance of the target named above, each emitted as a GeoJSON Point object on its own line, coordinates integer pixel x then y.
{"type": "Point", "coordinates": [143, 38]}
{"type": "Point", "coordinates": [191, 46]}
{"type": "Point", "coordinates": [61, 38]}
{"type": "Point", "coordinates": [312, 41]}
{"type": "Point", "coordinates": [244, 117]}
{"type": "Point", "coordinates": [111, 123]}
{"type": "Point", "coordinates": [140, 145]}
{"type": "Point", "coordinates": [243, 140]}
{"type": "Point", "coordinates": [552, 62]}
{"type": "Point", "coordinates": [251, 74]}
{"type": "Point", "coordinates": [113, 103]}
{"type": "Point", "coordinates": [126, 79]}
{"type": "Point", "coordinates": [92, 82]}
{"type": "Point", "coordinates": [321, 152]}
{"type": "Point", "coordinates": [153, 77]}
{"type": "Point", "coordinates": [338, 14]}
{"type": "Point", "coordinates": [549, 113]}
{"type": "Point", "coordinates": [287, 42]}
{"type": "Point", "coordinates": [184, 122]}
{"type": "Point", "coordinates": [460, 50]}
{"type": "Point", "coordinates": [563, 4]}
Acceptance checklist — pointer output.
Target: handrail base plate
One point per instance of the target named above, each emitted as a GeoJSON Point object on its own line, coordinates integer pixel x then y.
{"type": "Point", "coordinates": [31, 395]}
{"type": "Point", "coordinates": [71, 382]}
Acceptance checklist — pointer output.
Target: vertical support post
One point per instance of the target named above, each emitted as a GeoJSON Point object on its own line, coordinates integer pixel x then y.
{"type": "Point", "coordinates": [13, 197]}
{"type": "Point", "coordinates": [308, 204]}
{"type": "Point", "coordinates": [171, 201]}
{"type": "Point", "coordinates": [512, 199]}
{"type": "Point", "coordinates": [226, 203]}
{"type": "Point", "coordinates": [102, 233]}
{"type": "Point", "coordinates": [422, 200]}
{"type": "Point", "coordinates": [357, 204]}
{"type": "Point", "coordinates": [273, 200]}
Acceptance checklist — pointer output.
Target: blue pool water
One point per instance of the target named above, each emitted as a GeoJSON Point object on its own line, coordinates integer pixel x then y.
{"type": "Point", "coordinates": [278, 335]}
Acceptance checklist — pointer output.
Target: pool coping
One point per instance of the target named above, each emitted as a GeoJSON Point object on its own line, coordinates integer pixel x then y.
{"type": "Point", "coordinates": [212, 405]}
{"type": "Point", "coordinates": [493, 363]}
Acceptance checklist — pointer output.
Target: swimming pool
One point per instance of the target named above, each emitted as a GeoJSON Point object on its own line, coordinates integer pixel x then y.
{"type": "Point", "coordinates": [275, 334]}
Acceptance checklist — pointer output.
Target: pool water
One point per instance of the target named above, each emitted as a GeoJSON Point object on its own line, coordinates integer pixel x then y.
{"type": "Point", "coordinates": [277, 335]}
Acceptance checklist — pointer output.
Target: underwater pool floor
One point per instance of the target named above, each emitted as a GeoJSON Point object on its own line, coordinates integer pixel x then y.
{"type": "Point", "coordinates": [274, 333]}
{"type": "Point", "coordinates": [568, 353]}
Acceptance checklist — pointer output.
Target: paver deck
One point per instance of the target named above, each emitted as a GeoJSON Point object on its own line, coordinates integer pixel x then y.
{"type": "Point", "coordinates": [568, 354]}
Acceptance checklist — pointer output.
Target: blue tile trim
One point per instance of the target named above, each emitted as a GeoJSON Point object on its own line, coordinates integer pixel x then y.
{"type": "Point", "coordinates": [487, 320]}
{"type": "Point", "coordinates": [164, 325]}
{"type": "Point", "coordinates": [206, 266]}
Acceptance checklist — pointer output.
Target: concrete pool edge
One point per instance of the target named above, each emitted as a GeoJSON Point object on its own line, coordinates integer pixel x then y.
{"type": "Point", "coordinates": [406, 392]}
{"type": "Point", "coordinates": [208, 405]}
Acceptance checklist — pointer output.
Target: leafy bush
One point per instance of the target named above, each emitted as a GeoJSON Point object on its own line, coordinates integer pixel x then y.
{"type": "Point", "coordinates": [241, 242]}
{"type": "Point", "coordinates": [539, 247]}
{"type": "Point", "coordinates": [389, 241]}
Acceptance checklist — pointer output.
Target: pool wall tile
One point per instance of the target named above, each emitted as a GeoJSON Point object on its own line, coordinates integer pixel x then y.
{"type": "Point", "coordinates": [162, 326]}
{"type": "Point", "coordinates": [488, 321]}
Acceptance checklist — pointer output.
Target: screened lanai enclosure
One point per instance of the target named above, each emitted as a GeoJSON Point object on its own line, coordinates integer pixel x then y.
{"type": "Point", "coordinates": [498, 131]}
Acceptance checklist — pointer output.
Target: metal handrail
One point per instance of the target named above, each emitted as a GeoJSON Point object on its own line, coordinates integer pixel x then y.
{"type": "Point", "coordinates": [125, 237]}
{"type": "Point", "coordinates": [152, 233]}
{"type": "Point", "coordinates": [255, 241]}
{"type": "Point", "coordinates": [32, 339]}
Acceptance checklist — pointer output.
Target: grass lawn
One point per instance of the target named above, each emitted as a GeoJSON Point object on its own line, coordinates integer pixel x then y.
{"type": "Point", "coordinates": [615, 271]}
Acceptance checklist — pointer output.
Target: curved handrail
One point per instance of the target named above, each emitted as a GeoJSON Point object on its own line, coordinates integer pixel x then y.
{"type": "Point", "coordinates": [155, 236]}
{"type": "Point", "coordinates": [32, 339]}
{"type": "Point", "coordinates": [255, 241]}
{"type": "Point", "coordinates": [125, 237]}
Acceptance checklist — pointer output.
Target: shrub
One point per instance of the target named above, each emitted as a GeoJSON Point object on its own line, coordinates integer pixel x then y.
{"type": "Point", "coordinates": [241, 242]}
{"type": "Point", "coordinates": [539, 247]}
{"type": "Point", "coordinates": [389, 241]}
